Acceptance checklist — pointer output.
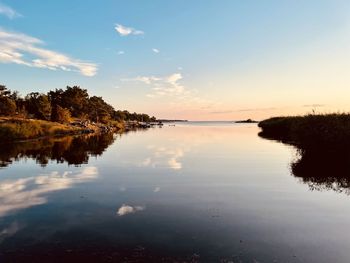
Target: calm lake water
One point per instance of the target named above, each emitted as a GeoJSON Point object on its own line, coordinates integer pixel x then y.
{"type": "Point", "coordinates": [194, 192]}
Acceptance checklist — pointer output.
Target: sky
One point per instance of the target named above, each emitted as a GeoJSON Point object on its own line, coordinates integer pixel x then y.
{"type": "Point", "coordinates": [195, 60]}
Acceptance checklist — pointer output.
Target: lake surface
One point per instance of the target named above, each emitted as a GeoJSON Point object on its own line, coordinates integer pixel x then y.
{"type": "Point", "coordinates": [194, 192]}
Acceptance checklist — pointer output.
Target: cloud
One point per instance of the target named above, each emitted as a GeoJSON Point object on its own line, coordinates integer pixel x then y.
{"type": "Point", "coordinates": [26, 50]}
{"type": "Point", "coordinates": [127, 209]}
{"type": "Point", "coordinates": [155, 50]}
{"type": "Point", "coordinates": [31, 191]}
{"type": "Point", "coordinates": [171, 87]}
{"type": "Point", "coordinates": [125, 31]}
{"type": "Point", "coordinates": [121, 52]}
{"type": "Point", "coordinates": [314, 105]}
{"type": "Point", "coordinates": [243, 110]}
{"type": "Point", "coordinates": [147, 80]}
{"type": "Point", "coordinates": [9, 12]}
{"type": "Point", "coordinates": [166, 85]}
{"type": "Point", "coordinates": [156, 190]}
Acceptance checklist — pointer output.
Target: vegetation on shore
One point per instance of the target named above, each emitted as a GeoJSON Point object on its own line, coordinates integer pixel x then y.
{"type": "Point", "coordinates": [58, 112]}
{"type": "Point", "coordinates": [323, 144]}
{"type": "Point", "coordinates": [329, 132]}
{"type": "Point", "coordinates": [21, 129]}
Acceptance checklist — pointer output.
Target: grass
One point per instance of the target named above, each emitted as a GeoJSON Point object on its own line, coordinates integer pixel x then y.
{"type": "Point", "coordinates": [21, 129]}
{"type": "Point", "coordinates": [323, 143]}
{"type": "Point", "coordinates": [329, 132]}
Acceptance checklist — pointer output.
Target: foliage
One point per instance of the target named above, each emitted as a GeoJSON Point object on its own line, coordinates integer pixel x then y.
{"type": "Point", "coordinates": [61, 115]}
{"type": "Point", "coordinates": [7, 106]}
{"type": "Point", "coordinates": [18, 129]}
{"type": "Point", "coordinates": [38, 105]}
{"type": "Point", "coordinates": [323, 144]}
{"type": "Point", "coordinates": [60, 105]}
{"type": "Point", "coordinates": [7, 103]}
{"type": "Point", "coordinates": [321, 131]}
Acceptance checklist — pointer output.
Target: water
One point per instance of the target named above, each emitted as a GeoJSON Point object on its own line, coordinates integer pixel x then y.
{"type": "Point", "coordinates": [194, 192]}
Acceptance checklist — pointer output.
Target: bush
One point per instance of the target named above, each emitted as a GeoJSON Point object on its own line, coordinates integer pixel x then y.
{"type": "Point", "coordinates": [7, 106]}
{"type": "Point", "coordinates": [61, 115]}
{"type": "Point", "coordinates": [21, 129]}
{"type": "Point", "coordinates": [323, 131]}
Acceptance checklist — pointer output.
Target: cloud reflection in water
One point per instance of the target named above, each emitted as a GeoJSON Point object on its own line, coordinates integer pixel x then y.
{"type": "Point", "coordinates": [27, 192]}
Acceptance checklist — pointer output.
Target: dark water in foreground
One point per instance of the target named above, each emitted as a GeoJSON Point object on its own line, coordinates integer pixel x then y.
{"type": "Point", "coordinates": [196, 192]}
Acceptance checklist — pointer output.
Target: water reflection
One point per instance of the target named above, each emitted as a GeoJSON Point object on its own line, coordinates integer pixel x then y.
{"type": "Point", "coordinates": [164, 156]}
{"type": "Point", "coordinates": [31, 191]}
{"type": "Point", "coordinates": [127, 209]}
{"type": "Point", "coordinates": [73, 150]}
{"type": "Point", "coordinates": [228, 198]}
{"type": "Point", "coordinates": [321, 168]}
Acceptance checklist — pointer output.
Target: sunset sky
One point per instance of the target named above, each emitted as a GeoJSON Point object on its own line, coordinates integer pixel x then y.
{"type": "Point", "coordinates": [196, 60]}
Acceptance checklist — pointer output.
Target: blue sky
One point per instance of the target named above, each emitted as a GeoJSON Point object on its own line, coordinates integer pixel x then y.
{"type": "Point", "coordinates": [217, 60]}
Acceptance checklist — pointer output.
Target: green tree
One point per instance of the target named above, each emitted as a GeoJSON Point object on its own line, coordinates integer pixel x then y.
{"type": "Point", "coordinates": [7, 103]}
{"type": "Point", "coordinates": [7, 106]}
{"type": "Point", "coordinates": [38, 105]}
{"type": "Point", "coordinates": [76, 100]}
{"type": "Point", "coordinates": [99, 110]}
{"type": "Point", "coordinates": [62, 115]}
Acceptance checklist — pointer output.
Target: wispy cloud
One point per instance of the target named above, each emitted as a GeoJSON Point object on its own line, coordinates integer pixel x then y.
{"type": "Point", "coordinates": [155, 50]}
{"type": "Point", "coordinates": [8, 11]}
{"type": "Point", "coordinates": [171, 87]}
{"type": "Point", "coordinates": [121, 52]}
{"type": "Point", "coordinates": [127, 209]}
{"type": "Point", "coordinates": [243, 110]}
{"type": "Point", "coordinates": [314, 105]}
{"type": "Point", "coordinates": [125, 31]}
{"type": "Point", "coordinates": [166, 85]}
{"type": "Point", "coordinates": [26, 50]}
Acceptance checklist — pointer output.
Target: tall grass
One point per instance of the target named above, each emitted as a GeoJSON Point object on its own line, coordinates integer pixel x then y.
{"type": "Point", "coordinates": [323, 143]}
{"type": "Point", "coordinates": [21, 129]}
{"type": "Point", "coordinates": [329, 132]}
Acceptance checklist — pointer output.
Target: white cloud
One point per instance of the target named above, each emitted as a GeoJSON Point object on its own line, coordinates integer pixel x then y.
{"type": "Point", "coordinates": [26, 50]}
{"type": "Point", "coordinates": [121, 52]}
{"type": "Point", "coordinates": [125, 31]}
{"type": "Point", "coordinates": [127, 209]}
{"type": "Point", "coordinates": [8, 11]}
{"type": "Point", "coordinates": [167, 85]}
{"type": "Point", "coordinates": [170, 87]}
{"type": "Point", "coordinates": [27, 192]}
{"type": "Point", "coordinates": [155, 50]}
{"type": "Point", "coordinates": [156, 190]}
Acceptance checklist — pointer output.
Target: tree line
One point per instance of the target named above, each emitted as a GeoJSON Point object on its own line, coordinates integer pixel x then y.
{"type": "Point", "coordinates": [62, 105]}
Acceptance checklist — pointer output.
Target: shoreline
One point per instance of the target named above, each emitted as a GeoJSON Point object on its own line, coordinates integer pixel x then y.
{"type": "Point", "coordinates": [23, 130]}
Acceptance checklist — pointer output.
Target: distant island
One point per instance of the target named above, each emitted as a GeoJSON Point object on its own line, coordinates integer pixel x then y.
{"type": "Point", "coordinates": [247, 121]}
{"type": "Point", "coordinates": [61, 112]}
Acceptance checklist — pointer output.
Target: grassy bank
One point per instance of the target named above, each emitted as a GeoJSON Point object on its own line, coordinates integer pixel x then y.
{"type": "Point", "coordinates": [323, 144]}
{"type": "Point", "coordinates": [12, 129]}
{"type": "Point", "coordinates": [330, 132]}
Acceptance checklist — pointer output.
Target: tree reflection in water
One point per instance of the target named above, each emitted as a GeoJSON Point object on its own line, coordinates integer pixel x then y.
{"type": "Point", "coordinates": [321, 167]}
{"type": "Point", "coordinates": [74, 150]}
